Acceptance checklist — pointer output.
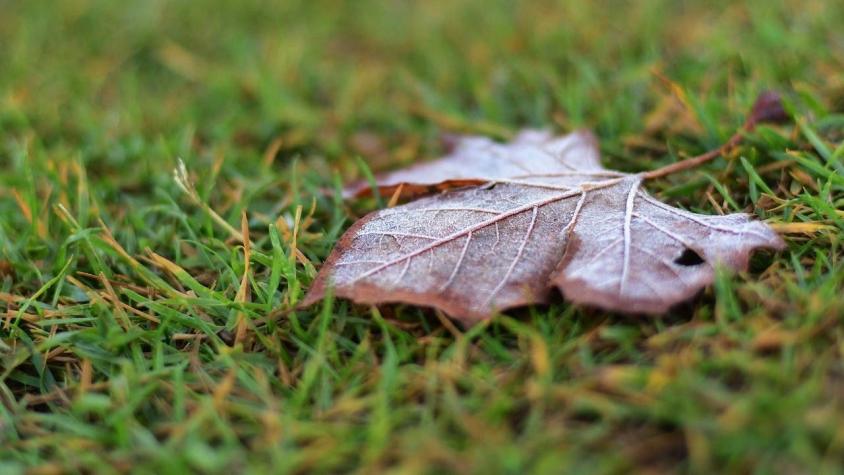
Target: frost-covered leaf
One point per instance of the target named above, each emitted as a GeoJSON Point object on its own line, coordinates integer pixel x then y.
{"type": "Point", "coordinates": [596, 235]}
{"type": "Point", "coordinates": [548, 215]}
{"type": "Point", "coordinates": [532, 156]}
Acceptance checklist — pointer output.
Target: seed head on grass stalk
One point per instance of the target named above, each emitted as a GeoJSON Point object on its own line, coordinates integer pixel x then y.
{"type": "Point", "coordinates": [182, 178]}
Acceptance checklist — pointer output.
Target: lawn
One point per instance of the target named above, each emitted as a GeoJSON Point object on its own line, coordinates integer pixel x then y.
{"type": "Point", "coordinates": [139, 334]}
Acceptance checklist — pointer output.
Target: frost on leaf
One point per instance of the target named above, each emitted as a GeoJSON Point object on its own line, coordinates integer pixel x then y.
{"type": "Point", "coordinates": [548, 215]}
{"type": "Point", "coordinates": [532, 157]}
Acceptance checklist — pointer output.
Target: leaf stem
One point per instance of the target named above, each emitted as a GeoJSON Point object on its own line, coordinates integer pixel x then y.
{"type": "Point", "coordinates": [767, 108]}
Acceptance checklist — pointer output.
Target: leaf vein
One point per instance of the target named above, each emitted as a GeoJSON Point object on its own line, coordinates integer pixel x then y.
{"type": "Point", "coordinates": [516, 257]}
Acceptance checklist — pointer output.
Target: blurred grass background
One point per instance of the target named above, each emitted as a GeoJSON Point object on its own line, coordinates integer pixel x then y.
{"type": "Point", "coordinates": [136, 335]}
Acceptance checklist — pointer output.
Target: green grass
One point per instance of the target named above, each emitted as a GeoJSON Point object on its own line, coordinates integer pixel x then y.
{"type": "Point", "coordinates": [126, 344]}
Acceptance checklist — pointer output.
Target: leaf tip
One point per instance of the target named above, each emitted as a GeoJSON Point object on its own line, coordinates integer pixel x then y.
{"type": "Point", "coordinates": [768, 108]}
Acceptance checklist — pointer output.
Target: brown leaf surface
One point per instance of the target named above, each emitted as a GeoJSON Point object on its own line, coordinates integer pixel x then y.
{"type": "Point", "coordinates": [533, 156]}
{"type": "Point", "coordinates": [549, 215]}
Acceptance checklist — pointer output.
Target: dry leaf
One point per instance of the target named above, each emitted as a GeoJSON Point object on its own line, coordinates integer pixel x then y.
{"type": "Point", "coordinates": [593, 233]}
{"type": "Point", "coordinates": [549, 215]}
{"type": "Point", "coordinates": [478, 160]}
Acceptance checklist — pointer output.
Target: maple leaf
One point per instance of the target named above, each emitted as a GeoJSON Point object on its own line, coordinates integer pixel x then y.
{"type": "Point", "coordinates": [477, 160]}
{"type": "Point", "coordinates": [549, 215]}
